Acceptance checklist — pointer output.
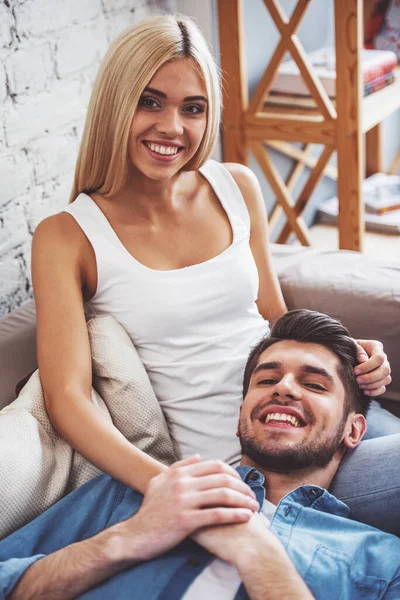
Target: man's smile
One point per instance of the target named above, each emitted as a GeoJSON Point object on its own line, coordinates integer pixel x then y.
{"type": "Point", "coordinates": [275, 415]}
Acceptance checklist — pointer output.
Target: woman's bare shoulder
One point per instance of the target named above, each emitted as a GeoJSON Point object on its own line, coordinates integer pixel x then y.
{"type": "Point", "coordinates": [60, 226]}
{"type": "Point", "coordinates": [60, 245]}
{"type": "Point", "coordinates": [60, 232]}
{"type": "Point", "coordinates": [249, 185]}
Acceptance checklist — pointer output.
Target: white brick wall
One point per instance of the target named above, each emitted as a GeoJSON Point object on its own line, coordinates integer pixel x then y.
{"type": "Point", "coordinates": [49, 54]}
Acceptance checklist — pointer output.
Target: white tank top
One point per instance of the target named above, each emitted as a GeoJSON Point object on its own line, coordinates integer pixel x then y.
{"type": "Point", "coordinates": [192, 327]}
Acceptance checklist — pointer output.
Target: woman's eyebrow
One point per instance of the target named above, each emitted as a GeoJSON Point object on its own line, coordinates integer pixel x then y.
{"type": "Point", "coordinates": [193, 98]}
{"type": "Point", "coordinates": [162, 95]}
{"type": "Point", "coordinates": [155, 92]}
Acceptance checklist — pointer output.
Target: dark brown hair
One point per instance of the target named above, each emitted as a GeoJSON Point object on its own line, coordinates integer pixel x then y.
{"type": "Point", "coordinates": [312, 327]}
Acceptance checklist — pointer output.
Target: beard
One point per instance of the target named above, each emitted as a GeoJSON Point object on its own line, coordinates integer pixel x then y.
{"type": "Point", "coordinates": [272, 455]}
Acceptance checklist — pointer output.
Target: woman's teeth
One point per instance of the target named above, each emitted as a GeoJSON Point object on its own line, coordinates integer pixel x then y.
{"type": "Point", "coordinates": [162, 149]}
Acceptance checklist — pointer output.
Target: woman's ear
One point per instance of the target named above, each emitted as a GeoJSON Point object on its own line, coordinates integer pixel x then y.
{"type": "Point", "coordinates": [357, 427]}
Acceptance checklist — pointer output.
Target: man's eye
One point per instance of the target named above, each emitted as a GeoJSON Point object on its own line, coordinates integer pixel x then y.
{"type": "Point", "coordinates": [267, 382]}
{"type": "Point", "coordinates": [315, 386]}
{"type": "Point", "coordinates": [194, 109]}
{"type": "Point", "coordinates": [147, 102]}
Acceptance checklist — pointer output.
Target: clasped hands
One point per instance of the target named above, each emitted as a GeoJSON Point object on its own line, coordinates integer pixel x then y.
{"type": "Point", "coordinates": [205, 500]}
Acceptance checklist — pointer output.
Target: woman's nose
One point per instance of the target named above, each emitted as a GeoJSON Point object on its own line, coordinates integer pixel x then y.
{"type": "Point", "coordinates": [170, 123]}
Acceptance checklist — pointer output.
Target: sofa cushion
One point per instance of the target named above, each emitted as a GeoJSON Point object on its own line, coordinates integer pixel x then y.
{"type": "Point", "coordinates": [37, 466]}
{"type": "Point", "coordinates": [362, 292]}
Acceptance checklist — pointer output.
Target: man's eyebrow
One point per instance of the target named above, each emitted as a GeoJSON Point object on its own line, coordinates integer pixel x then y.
{"type": "Point", "coordinates": [162, 95]}
{"type": "Point", "coordinates": [317, 371]}
{"type": "Point", "coordinates": [268, 366]}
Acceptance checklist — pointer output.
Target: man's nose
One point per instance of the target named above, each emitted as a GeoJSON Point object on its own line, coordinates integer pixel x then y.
{"type": "Point", "coordinates": [287, 387]}
{"type": "Point", "coordinates": [170, 123]}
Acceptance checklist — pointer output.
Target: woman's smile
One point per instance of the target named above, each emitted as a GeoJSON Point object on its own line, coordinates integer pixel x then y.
{"type": "Point", "coordinates": [163, 151]}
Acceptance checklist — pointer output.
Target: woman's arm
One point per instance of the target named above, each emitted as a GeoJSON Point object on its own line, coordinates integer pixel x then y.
{"type": "Point", "coordinates": [60, 257]}
{"type": "Point", "coordinates": [271, 303]}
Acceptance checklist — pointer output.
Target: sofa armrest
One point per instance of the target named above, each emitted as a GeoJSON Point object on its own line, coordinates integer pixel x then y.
{"type": "Point", "coordinates": [361, 292]}
{"type": "Point", "coordinates": [17, 350]}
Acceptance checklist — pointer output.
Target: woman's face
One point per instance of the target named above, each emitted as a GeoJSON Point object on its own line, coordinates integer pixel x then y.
{"type": "Point", "coordinates": [170, 121]}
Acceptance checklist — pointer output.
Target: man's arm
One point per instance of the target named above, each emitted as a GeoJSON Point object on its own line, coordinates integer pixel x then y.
{"type": "Point", "coordinates": [268, 572]}
{"type": "Point", "coordinates": [263, 563]}
{"type": "Point", "coordinates": [189, 496]}
{"type": "Point", "coordinates": [75, 569]}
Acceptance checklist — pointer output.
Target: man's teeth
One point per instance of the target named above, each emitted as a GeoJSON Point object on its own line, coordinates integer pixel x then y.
{"type": "Point", "coordinates": [283, 417]}
{"type": "Point", "coordinates": [163, 149]}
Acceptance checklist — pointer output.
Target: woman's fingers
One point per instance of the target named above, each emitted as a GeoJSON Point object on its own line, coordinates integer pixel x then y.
{"type": "Point", "coordinates": [223, 480]}
{"type": "Point", "coordinates": [373, 374]}
{"type": "Point", "coordinates": [374, 362]}
{"type": "Point", "coordinates": [208, 467]}
{"type": "Point", "coordinates": [375, 392]}
{"type": "Point", "coordinates": [219, 516]}
{"type": "Point", "coordinates": [195, 458]}
{"type": "Point", "coordinates": [377, 376]}
{"type": "Point", "coordinates": [376, 389]}
{"type": "Point", "coordinates": [221, 497]}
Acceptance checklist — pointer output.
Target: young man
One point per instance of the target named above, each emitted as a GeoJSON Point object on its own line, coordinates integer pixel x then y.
{"type": "Point", "coordinates": [302, 409]}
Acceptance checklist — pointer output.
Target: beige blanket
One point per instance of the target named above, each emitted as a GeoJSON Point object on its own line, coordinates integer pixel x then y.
{"type": "Point", "coordinates": [37, 467]}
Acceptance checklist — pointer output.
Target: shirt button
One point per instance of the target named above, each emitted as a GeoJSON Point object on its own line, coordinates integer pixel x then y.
{"type": "Point", "coordinates": [253, 476]}
{"type": "Point", "coordinates": [194, 562]}
{"type": "Point", "coordinates": [314, 492]}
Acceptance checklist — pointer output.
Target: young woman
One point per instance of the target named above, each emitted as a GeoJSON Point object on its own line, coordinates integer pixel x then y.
{"type": "Point", "coordinates": [173, 245]}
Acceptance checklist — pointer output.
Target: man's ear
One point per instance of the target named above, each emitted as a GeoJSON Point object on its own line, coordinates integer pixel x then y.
{"type": "Point", "coordinates": [237, 427]}
{"type": "Point", "coordinates": [357, 426]}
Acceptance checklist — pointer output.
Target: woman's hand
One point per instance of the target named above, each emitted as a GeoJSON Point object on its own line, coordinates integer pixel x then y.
{"type": "Point", "coordinates": [188, 496]}
{"type": "Point", "coordinates": [373, 372]}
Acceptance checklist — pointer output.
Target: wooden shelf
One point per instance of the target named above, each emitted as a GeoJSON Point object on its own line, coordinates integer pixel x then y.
{"type": "Point", "coordinates": [256, 125]}
{"type": "Point", "coordinates": [375, 108]}
{"type": "Point", "coordinates": [381, 104]}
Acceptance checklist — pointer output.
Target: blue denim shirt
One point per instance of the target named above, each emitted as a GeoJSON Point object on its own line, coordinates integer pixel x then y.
{"type": "Point", "coordinates": [338, 558]}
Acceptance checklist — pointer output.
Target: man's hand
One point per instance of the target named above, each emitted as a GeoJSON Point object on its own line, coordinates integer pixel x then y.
{"type": "Point", "coordinates": [373, 372]}
{"type": "Point", "coordinates": [189, 496]}
{"type": "Point", "coordinates": [263, 563]}
{"type": "Point", "coordinates": [233, 543]}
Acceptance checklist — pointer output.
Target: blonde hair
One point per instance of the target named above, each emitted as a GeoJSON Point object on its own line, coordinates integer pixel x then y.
{"type": "Point", "coordinates": [128, 66]}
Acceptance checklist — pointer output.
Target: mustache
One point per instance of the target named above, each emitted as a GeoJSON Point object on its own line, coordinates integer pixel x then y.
{"type": "Point", "coordinates": [304, 412]}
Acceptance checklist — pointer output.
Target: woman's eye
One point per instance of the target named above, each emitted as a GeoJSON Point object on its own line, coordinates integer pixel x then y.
{"type": "Point", "coordinates": [147, 102]}
{"type": "Point", "coordinates": [194, 109]}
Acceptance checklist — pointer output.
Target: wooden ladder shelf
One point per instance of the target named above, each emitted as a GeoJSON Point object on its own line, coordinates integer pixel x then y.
{"type": "Point", "coordinates": [256, 126]}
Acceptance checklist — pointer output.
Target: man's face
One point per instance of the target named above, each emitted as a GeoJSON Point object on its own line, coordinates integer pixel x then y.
{"type": "Point", "coordinates": [293, 416]}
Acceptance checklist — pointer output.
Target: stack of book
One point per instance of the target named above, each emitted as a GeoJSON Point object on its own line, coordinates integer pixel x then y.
{"type": "Point", "coordinates": [289, 88]}
{"type": "Point", "coordinates": [381, 197]}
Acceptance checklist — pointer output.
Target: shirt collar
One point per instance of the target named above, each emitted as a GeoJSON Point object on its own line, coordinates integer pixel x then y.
{"type": "Point", "coordinates": [311, 496]}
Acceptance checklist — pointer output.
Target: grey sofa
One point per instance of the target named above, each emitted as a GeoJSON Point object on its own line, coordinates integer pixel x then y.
{"type": "Point", "coordinates": [363, 293]}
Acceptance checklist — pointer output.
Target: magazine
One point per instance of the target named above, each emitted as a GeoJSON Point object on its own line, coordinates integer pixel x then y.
{"type": "Point", "coordinates": [385, 222]}
{"type": "Point", "coordinates": [381, 193]}
{"type": "Point", "coordinates": [300, 101]}
{"type": "Point", "coordinates": [289, 80]}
